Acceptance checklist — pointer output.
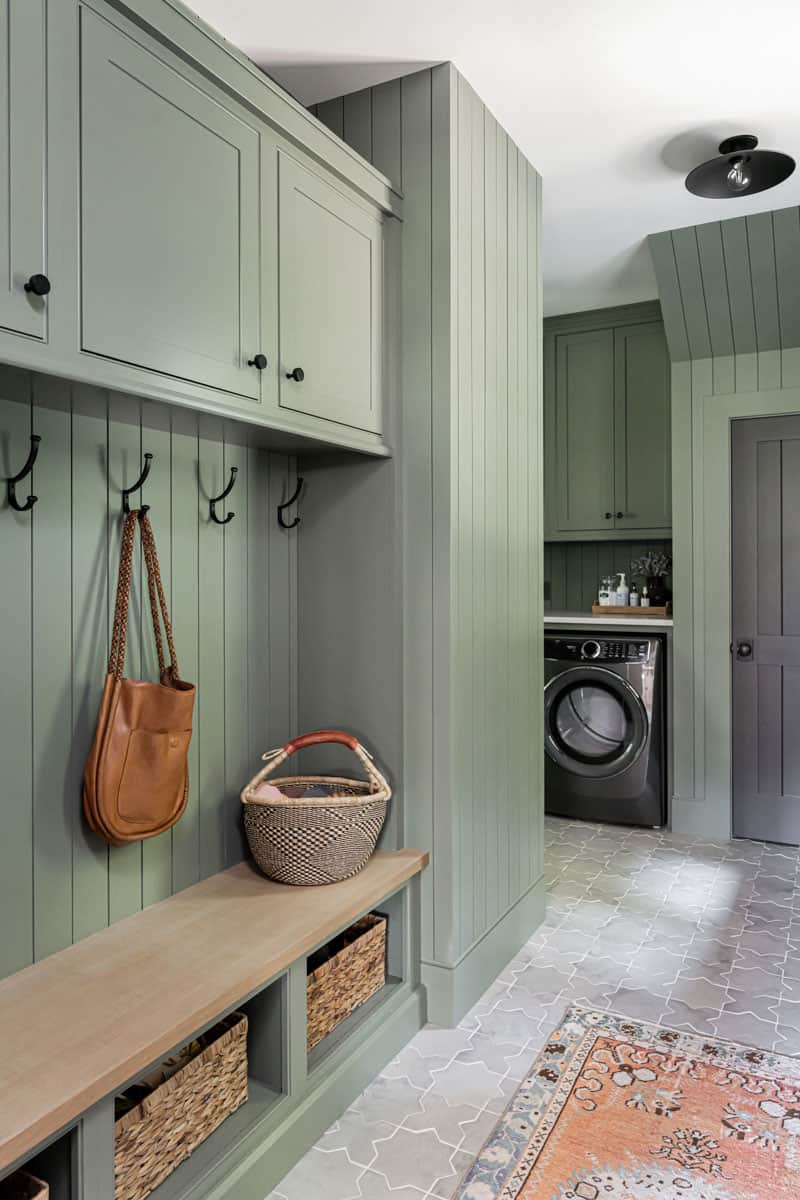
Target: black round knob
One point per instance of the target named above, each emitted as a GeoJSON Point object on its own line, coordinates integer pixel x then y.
{"type": "Point", "coordinates": [620, 515]}
{"type": "Point", "coordinates": [38, 284]}
{"type": "Point", "coordinates": [259, 361]}
{"type": "Point", "coordinates": [298, 374]}
{"type": "Point", "coordinates": [590, 650]}
{"type": "Point", "coordinates": [609, 516]}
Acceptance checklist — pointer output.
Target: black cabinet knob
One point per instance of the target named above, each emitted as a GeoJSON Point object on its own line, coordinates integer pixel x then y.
{"type": "Point", "coordinates": [609, 516]}
{"type": "Point", "coordinates": [620, 515]}
{"type": "Point", "coordinates": [298, 374]}
{"type": "Point", "coordinates": [259, 361]}
{"type": "Point", "coordinates": [39, 285]}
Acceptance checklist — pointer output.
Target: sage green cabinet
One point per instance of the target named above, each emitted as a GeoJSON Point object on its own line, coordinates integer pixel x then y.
{"type": "Point", "coordinates": [23, 89]}
{"type": "Point", "coordinates": [642, 460]}
{"type": "Point", "coordinates": [170, 239]}
{"type": "Point", "coordinates": [330, 287]}
{"type": "Point", "coordinates": [607, 419]}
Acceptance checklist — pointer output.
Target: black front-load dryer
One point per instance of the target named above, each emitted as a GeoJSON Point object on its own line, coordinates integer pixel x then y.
{"type": "Point", "coordinates": [604, 728]}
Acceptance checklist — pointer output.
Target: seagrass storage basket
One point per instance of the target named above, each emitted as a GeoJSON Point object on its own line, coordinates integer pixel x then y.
{"type": "Point", "coordinates": [22, 1186]}
{"type": "Point", "coordinates": [312, 829]}
{"type": "Point", "coordinates": [343, 975]}
{"type": "Point", "coordinates": [166, 1116]}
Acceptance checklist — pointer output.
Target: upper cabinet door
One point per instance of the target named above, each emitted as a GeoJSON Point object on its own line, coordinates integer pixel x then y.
{"type": "Point", "coordinates": [643, 491]}
{"type": "Point", "coordinates": [330, 286]}
{"type": "Point", "coordinates": [23, 31]}
{"type": "Point", "coordinates": [170, 199]}
{"type": "Point", "coordinates": [584, 431]}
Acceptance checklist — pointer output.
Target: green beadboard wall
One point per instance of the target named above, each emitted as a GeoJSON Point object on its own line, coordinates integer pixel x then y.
{"type": "Point", "coordinates": [573, 570]}
{"type": "Point", "coordinates": [470, 505]}
{"type": "Point", "coordinates": [232, 599]}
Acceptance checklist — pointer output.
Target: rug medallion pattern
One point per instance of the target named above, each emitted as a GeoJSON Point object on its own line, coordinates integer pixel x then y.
{"type": "Point", "coordinates": [615, 1109]}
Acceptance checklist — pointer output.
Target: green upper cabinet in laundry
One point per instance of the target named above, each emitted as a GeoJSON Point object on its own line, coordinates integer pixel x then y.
{"type": "Point", "coordinates": [331, 254]}
{"type": "Point", "coordinates": [22, 151]}
{"type": "Point", "coordinates": [607, 426]}
{"type": "Point", "coordinates": [170, 245]}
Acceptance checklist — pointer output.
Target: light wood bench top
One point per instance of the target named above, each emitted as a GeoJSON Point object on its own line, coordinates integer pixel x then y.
{"type": "Point", "coordinates": [79, 1024]}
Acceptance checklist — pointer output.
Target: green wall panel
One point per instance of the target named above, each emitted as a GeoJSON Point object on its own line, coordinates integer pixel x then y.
{"type": "Point", "coordinates": [232, 599]}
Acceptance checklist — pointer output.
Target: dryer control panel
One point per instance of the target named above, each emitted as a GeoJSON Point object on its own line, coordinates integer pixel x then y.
{"type": "Point", "coordinates": [583, 649]}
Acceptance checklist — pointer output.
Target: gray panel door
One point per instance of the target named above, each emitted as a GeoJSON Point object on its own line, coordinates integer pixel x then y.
{"type": "Point", "coordinates": [585, 430]}
{"type": "Point", "coordinates": [170, 198]}
{"type": "Point", "coordinates": [642, 433]}
{"type": "Point", "coordinates": [330, 301]}
{"type": "Point", "coordinates": [23, 134]}
{"type": "Point", "coordinates": [765, 559]}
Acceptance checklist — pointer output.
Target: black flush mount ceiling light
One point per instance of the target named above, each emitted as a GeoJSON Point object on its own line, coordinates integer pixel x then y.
{"type": "Point", "coordinates": [740, 170]}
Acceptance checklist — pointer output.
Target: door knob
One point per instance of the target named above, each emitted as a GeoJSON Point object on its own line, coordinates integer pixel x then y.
{"type": "Point", "coordinates": [297, 374]}
{"type": "Point", "coordinates": [744, 650]}
{"type": "Point", "coordinates": [259, 361]}
{"type": "Point", "coordinates": [39, 285]}
{"type": "Point", "coordinates": [609, 516]}
{"type": "Point", "coordinates": [619, 515]}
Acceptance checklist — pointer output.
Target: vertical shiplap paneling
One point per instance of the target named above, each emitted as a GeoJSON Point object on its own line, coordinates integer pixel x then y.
{"type": "Point", "coordinates": [535, 551]}
{"type": "Point", "coordinates": [522, 468]}
{"type": "Point", "coordinates": [16, 750]}
{"type": "Point", "coordinates": [786, 226]}
{"type": "Point", "coordinates": [90, 603]}
{"type": "Point", "coordinates": [715, 287]}
{"type": "Point", "coordinates": [662, 252]}
{"type": "Point", "coordinates": [282, 573]}
{"type": "Point", "coordinates": [124, 468]}
{"type": "Point", "coordinates": [331, 113]}
{"type": "Point", "coordinates": [235, 539]}
{"type": "Point", "coordinates": [54, 806]}
{"type": "Point", "coordinates": [58, 881]}
{"type": "Point", "coordinates": [687, 260]}
{"type": "Point", "coordinates": [493, 401]}
{"type": "Point", "coordinates": [184, 587]}
{"type": "Point", "coordinates": [210, 714]}
{"type": "Point", "coordinates": [502, 657]}
{"type": "Point", "coordinates": [387, 148]}
{"type": "Point", "coordinates": [357, 122]}
{"type": "Point", "coordinates": [157, 493]}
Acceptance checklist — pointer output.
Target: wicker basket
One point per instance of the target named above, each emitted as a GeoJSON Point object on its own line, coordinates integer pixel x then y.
{"type": "Point", "coordinates": [355, 971]}
{"type": "Point", "coordinates": [22, 1186]}
{"type": "Point", "coordinates": [312, 829]}
{"type": "Point", "coordinates": [185, 1100]}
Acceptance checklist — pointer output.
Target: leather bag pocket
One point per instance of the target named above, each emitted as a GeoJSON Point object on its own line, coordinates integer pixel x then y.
{"type": "Point", "coordinates": [154, 776]}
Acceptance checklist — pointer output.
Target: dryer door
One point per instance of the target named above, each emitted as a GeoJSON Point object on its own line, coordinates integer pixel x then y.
{"type": "Point", "coordinates": [595, 723]}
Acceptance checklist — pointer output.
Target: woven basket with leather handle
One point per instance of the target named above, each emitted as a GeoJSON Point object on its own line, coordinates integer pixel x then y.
{"type": "Point", "coordinates": [312, 829]}
{"type": "Point", "coordinates": [162, 1129]}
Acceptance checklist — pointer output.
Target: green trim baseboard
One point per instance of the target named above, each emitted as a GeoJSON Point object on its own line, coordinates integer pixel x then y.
{"type": "Point", "coordinates": [453, 989]}
{"type": "Point", "coordinates": [692, 817]}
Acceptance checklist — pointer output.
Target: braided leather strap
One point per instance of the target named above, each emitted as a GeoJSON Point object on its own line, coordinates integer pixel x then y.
{"type": "Point", "coordinates": [116, 661]}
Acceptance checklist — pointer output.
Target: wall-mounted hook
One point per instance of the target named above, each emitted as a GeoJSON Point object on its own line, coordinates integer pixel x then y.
{"type": "Point", "coordinates": [287, 504]}
{"type": "Point", "coordinates": [212, 504]}
{"type": "Point", "coordinates": [11, 483]}
{"type": "Point", "coordinates": [148, 462]}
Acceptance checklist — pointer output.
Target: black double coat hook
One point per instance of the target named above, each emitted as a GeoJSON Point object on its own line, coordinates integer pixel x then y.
{"type": "Point", "coordinates": [288, 504]}
{"type": "Point", "coordinates": [126, 508]}
{"type": "Point", "coordinates": [212, 504]}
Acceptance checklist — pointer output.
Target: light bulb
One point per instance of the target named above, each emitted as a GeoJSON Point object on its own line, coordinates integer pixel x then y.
{"type": "Point", "coordinates": [738, 178]}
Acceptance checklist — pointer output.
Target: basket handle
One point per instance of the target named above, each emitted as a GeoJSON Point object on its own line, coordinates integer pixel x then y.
{"type": "Point", "coordinates": [274, 758]}
{"type": "Point", "coordinates": [316, 739]}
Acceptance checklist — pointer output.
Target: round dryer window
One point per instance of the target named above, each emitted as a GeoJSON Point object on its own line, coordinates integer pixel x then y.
{"type": "Point", "coordinates": [595, 723]}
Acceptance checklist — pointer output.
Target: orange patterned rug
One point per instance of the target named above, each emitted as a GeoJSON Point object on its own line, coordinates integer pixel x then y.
{"type": "Point", "coordinates": [616, 1109]}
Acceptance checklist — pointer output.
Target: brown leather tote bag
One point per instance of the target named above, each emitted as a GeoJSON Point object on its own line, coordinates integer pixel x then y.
{"type": "Point", "coordinates": [136, 781]}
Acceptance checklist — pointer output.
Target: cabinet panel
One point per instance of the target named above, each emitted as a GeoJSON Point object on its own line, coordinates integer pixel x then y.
{"type": "Point", "coordinates": [642, 428]}
{"type": "Point", "coordinates": [330, 284]}
{"type": "Point", "coordinates": [584, 430]}
{"type": "Point", "coordinates": [170, 199]}
{"type": "Point", "coordinates": [23, 25]}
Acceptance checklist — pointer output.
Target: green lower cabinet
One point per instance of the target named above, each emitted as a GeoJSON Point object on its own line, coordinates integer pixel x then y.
{"type": "Point", "coordinates": [607, 427]}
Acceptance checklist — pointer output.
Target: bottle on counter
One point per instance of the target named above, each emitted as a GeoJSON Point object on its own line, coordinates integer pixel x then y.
{"type": "Point", "coordinates": [623, 591]}
{"type": "Point", "coordinates": [634, 598]}
{"type": "Point", "coordinates": [604, 595]}
{"type": "Point", "coordinates": [645, 597]}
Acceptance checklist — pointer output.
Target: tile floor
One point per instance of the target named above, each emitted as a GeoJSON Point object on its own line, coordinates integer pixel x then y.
{"type": "Point", "coordinates": [697, 935]}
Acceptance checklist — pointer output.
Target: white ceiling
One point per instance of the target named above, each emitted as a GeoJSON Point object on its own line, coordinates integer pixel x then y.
{"type": "Point", "coordinates": [613, 102]}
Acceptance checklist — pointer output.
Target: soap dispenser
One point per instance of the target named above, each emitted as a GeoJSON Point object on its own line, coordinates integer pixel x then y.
{"type": "Point", "coordinates": [623, 591]}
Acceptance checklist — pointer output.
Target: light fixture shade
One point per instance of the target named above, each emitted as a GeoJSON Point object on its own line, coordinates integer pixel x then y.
{"type": "Point", "coordinates": [740, 170]}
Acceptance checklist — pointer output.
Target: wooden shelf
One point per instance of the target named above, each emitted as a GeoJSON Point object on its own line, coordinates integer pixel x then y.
{"type": "Point", "coordinates": [88, 1019]}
